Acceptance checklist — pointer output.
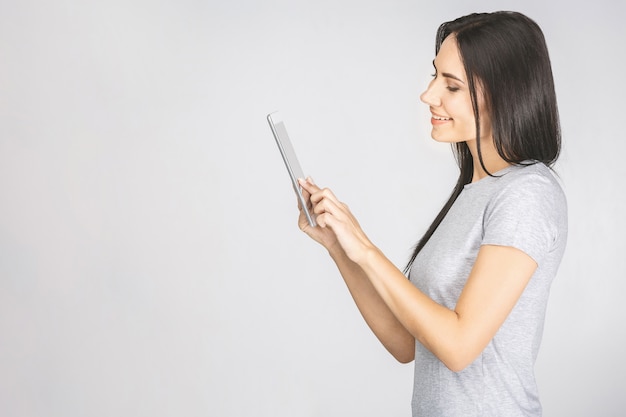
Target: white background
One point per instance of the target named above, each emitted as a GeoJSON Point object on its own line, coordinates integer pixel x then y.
{"type": "Point", "coordinates": [150, 262]}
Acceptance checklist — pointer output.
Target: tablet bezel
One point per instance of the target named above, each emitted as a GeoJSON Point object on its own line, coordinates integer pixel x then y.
{"type": "Point", "coordinates": [290, 159]}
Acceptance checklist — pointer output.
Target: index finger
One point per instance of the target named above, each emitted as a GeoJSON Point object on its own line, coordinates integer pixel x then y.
{"type": "Point", "coordinates": [308, 185]}
{"type": "Point", "coordinates": [318, 194]}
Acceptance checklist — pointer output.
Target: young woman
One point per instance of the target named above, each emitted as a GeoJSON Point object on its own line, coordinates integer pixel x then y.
{"type": "Point", "coordinates": [471, 313]}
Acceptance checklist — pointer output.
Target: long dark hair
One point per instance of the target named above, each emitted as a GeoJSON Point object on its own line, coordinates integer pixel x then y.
{"type": "Point", "coordinates": [507, 54]}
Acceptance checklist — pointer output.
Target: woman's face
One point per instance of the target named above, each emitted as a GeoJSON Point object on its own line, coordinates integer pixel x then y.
{"type": "Point", "coordinates": [449, 99]}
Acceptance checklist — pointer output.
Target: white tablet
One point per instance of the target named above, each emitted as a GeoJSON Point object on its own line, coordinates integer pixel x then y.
{"type": "Point", "coordinates": [291, 161]}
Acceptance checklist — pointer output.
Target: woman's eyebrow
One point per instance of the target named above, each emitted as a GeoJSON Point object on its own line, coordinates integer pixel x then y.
{"type": "Point", "coordinates": [448, 75]}
{"type": "Point", "coordinates": [454, 77]}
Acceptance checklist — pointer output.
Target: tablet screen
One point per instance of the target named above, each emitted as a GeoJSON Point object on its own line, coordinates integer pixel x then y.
{"type": "Point", "coordinates": [291, 160]}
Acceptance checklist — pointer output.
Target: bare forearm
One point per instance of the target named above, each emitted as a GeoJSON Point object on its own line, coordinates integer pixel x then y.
{"type": "Point", "coordinates": [456, 336]}
{"type": "Point", "coordinates": [387, 328]}
{"type": "Point", "coordinates": [399, 312]}
{"type": "Point", "coordinates": [432, 324]}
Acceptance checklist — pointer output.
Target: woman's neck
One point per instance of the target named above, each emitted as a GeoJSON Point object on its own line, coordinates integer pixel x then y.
{"type": "Point", "coordinates": [492, 161]}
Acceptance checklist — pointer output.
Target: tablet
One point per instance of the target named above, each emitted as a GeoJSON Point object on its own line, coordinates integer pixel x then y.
{"type": "Point", "coordinates": [291, 161]}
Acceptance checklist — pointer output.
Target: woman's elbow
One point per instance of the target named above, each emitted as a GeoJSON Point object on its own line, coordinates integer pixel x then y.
{"type": "Point", "coordinates": [456, 366]}
{"type": "Point", "coordinates": [457, 362]}
{"type": "Point", "coordinates": [404, 358]}
{"type": "Point", "coordinates": [403, 353]}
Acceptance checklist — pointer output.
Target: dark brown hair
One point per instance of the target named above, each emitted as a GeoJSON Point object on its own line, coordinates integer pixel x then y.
{"type": "Point", "coordinates": [507, 54]}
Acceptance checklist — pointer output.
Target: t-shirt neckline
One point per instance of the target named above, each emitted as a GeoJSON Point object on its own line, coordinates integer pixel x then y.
{"type": "Point", "coordinates": [494, 176]}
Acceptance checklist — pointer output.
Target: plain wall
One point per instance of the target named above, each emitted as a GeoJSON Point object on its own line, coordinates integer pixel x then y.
{"type": "Point", "coordinates": [150, 262]}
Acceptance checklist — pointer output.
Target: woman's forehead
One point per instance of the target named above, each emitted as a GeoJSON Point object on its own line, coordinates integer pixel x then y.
{"type": "Point", "coordinates": [448, 58]}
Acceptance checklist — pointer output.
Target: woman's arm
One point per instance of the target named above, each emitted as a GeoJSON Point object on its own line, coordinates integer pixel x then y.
{"type": "Point", "coordinates": [391, 333]}
{"type": "Point", "coordinates": [457, 336]}
{"type": "Point", "coordinates": [383, 323]}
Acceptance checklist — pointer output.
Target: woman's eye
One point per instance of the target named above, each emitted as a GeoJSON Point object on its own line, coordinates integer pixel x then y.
{"type": "Point", "coordinates": [453, 89]}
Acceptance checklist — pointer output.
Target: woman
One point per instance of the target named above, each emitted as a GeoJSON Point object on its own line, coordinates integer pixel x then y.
{"type": "Point", "coordinates": [471, 313]}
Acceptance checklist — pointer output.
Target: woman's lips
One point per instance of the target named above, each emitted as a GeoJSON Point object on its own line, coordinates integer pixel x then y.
{"type": "Point", "coordinates": [439, 120]}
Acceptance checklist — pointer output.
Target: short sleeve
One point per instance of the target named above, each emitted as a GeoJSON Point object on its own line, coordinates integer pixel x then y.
{"type": "Point", "coordinates": [526, 214]}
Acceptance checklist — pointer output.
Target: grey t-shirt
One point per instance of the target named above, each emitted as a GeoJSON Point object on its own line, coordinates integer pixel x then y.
{"type": "Point", "coordinates": [523, 207]}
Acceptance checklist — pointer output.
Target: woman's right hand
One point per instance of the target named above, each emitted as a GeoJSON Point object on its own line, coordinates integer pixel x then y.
{"type": "Point", "coordinates": [323, 235]}
{"type": "Point", "coordinates": [337, 227]}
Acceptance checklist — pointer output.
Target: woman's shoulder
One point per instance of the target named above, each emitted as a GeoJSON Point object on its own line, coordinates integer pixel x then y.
{"type": "Point", "coordinates": [532, 182]}
{"type": "Point", "coordinates": [529, 203]}
{"type": "Point", "coordinates": [535, 175]}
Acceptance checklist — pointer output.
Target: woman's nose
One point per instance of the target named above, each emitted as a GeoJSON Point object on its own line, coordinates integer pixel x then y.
{"type": "Point", "coordinates": [429, 97]}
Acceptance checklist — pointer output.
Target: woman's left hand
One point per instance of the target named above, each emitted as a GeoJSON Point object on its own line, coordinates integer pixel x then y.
{"type": "Point", "coordinates": [335, 216]}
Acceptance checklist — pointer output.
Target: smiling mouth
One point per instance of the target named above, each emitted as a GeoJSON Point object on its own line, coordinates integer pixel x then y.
{"type": "Point", "coordinates": [442, 119]}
